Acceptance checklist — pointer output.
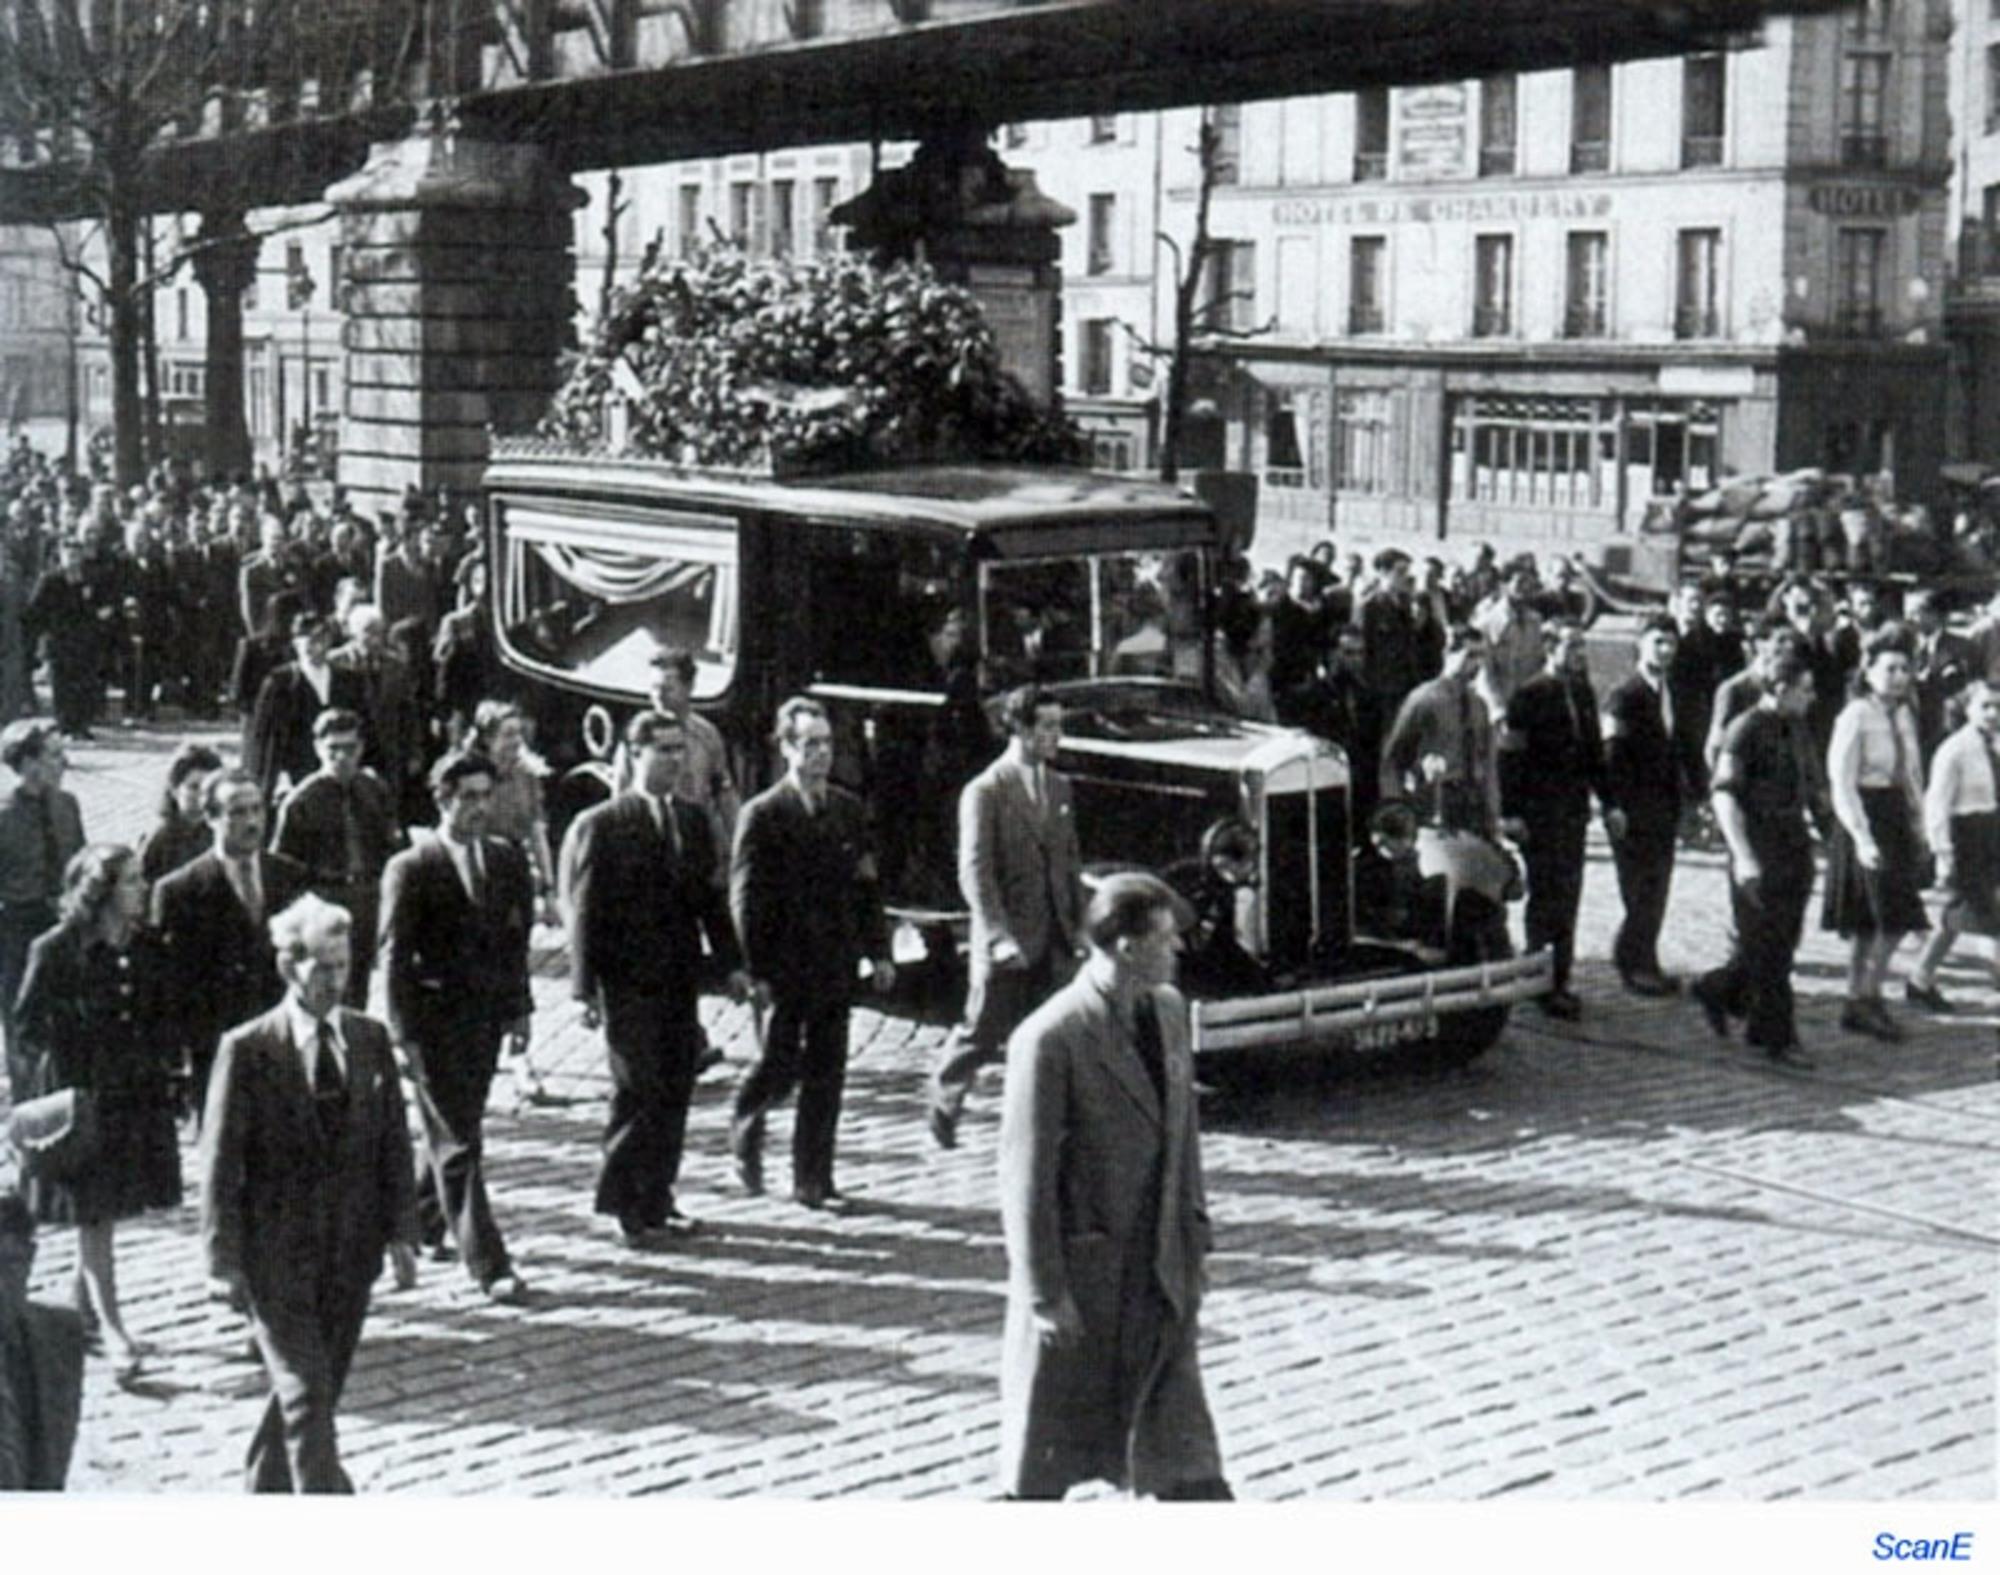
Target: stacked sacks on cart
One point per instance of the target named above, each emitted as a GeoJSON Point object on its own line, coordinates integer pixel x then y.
{"type": "Point", "coordinates": [1807, 521]}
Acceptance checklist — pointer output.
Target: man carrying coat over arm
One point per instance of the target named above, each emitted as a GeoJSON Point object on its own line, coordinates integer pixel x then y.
{"type": "Point", "coordinates": [1106, 1222]}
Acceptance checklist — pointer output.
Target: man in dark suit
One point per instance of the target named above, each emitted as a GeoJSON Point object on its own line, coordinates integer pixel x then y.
{"type": "Point", "coordinates": [41, 1366]}
{"type": "Point", "coordinates": [1106, 1222]}
{"type": "Point", "coordinates": [340, 823]}
{"type": "Point", "coordinates": [1944, 664]}
{"type": "Point", "coordinates": [639, 872]}
{"type": "Point", "coordinates": [1019, 871]}
{"type": "Point", "coordinates": [804, 891]}
{"type": "Point", "coordinates": [211, 915]}
{"type": "Point", "coordinates": [1642, 778]}
{"type": "Point", "coordinates": [1350, 713]}
{"type": "Point", "coordinates": [279, 746]}
{"type": "Point", "coordinates": [457, 911]}
{"type": "Point", "coordinates": [1551, 761]}
{"type": "Point", "coordinates": [41, 829]}
{"type": "Point", "coordinates": [305, 1165]}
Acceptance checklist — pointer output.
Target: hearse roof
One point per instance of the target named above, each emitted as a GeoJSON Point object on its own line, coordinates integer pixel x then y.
{"type": "Point", "coordinates": [971, 498]}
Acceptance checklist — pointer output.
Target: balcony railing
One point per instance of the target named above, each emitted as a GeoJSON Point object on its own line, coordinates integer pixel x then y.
{"type": "Point", "coordinates": [1864, 150]}
{"type": "Point", "coordinates": [1364, 320]}
{"type": "Point", "coordinates": [1586, 320]}
{"type": "Point", "coordinates": [1496, 161]}
{"type": "Point", "coordinates": [1700, 152]}
{"type": "Point", "coordinates": [1589, 158]}
{"type": "Point", "coordinates": [1697, 322]}
{"type": "Point", "coordinates": [1371, 166]}
{"type": "Point", "coordinates": [1492, 321]}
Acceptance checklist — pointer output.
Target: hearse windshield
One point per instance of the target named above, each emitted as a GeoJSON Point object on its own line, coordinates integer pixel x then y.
{"type": "Point", "coordinates": [593, 596]}
{"type": "Point", "coordinates": [1127, 614]}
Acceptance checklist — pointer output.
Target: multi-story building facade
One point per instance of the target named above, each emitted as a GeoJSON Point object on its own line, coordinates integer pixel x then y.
{"type": "Point", "coordinates": [1973, 302]}
{"type": "Point", "coordinates": [1524, 308]}
{"type": "Point", "coordinates": [37, 334]}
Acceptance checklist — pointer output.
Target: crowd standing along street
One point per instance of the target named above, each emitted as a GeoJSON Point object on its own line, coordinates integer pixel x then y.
{"type": "Point", "coordinates": [1609, 1257]}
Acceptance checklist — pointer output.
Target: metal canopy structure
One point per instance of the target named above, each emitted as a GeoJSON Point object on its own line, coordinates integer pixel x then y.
{"type": "Point", "coordinates": [655, 80]}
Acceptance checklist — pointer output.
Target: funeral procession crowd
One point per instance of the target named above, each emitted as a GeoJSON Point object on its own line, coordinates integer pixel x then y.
{"type": "Point", "coordinates": [381, 837]}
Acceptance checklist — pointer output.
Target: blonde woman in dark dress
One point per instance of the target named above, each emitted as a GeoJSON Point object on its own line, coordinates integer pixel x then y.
{"type": "Point", "coordinates": [89, 1011]}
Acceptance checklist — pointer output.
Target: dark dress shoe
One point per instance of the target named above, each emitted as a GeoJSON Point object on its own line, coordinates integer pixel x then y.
{"type": "Point", "coordinates": [1870, 1017]}
{"type": "Point", "coordinates": [641, 1237]}
{"type": "Point", "coordinates": [1652, 984]}
{"type": "Point", "coordinates": [1562, 1006]}
{"type": "Point", "coordinates": [750, 1170]}
{"type": "Point", "coordinates": [1928, 996]}
{"type": "Point", "coordinates": [825, 1199]}
{"type": "Point", "coordinates": [1710, 1002]}
{"type": "Point", "coordinates": [944, 1126]}
{"type": "Point", "coordinates": [678, 1224]}
{"type": "Point", "coordinates": [1792, 1055]}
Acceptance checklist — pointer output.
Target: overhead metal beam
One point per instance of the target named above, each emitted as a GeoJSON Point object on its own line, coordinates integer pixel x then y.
{"type": "Point", "coordinates": [1021, 62]}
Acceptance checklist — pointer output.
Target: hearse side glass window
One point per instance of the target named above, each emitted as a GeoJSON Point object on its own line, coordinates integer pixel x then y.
{"type": "Point", "coordinates": [594, 594]}
{"type": "Point", "coordinates": [886, 608]}
{"type": "Point", "coordinates": [1111, 615]}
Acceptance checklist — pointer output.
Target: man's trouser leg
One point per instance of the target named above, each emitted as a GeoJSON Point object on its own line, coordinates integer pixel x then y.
{"type": "Point", "coordinates": [455, 1077]}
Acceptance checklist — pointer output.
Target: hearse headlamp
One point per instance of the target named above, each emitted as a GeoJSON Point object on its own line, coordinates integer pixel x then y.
{"type": "Point", "coordinates": [1229, 851]}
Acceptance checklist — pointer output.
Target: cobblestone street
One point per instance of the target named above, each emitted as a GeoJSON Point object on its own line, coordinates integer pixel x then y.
{"type": "Point", "coordinates": [1616, 1259]}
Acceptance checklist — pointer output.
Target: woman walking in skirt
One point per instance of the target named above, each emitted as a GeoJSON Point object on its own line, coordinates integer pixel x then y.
{"type": "Point", "coordinates": [1876, 869]}
{"type": "Point", "coordinates": [90, 1008]}
{"type": "Point", "coordinates": [1962, 819]}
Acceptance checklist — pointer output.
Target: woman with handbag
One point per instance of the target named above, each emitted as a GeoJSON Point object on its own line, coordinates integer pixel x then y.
{"type": "Point", "coordinates": [90, 1009]}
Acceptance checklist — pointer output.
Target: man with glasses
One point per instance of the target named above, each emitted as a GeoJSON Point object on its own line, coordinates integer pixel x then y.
{"type": "Point", "coordinates": [640, 874]}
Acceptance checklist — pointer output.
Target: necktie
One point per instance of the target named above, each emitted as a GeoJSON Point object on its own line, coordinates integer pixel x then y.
{"type": "Point", "coordinates": [1036, 790]}
{"type": "Point", "coordinates": [329, 1087]}
{"type": "Point", "coordinates": [475, 868]}
{"type": "Point", "coordinates": [249, 890]}
{"type": "Point", "coordinates": [350, 829]}
{"type": "Point", "coordinates": [1575, 715]}
{"type": "Point", "coordinates": [52, 870]}
{"type": "Point", "coordinates": [663, 821]}
{"type": "Point", "coordinates": [1666, 710]}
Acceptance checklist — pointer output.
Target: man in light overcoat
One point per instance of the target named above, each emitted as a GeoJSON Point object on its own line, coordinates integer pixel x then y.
{"type": "Point", "coordinates": [1018, 871]}
{"type": "Point", "coordinates": [1106, 1222]}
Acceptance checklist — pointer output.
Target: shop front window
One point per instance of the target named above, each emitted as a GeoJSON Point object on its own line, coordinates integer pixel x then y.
{"type": "Point", "coordinates": [1363, 433]}
{"type": "Point", "coordinates": [1542, 450]}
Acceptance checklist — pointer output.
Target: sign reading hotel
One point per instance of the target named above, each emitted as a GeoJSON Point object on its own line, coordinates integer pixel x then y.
{"type": "Point", "coordinates": [1865, 202]}
{"type": "Point", "coordinates": [1484, 208]}
{"type": "Point", "coordinates": [1432, 136]}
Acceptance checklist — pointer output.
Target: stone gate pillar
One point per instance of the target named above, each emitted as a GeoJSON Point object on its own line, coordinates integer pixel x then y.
{"type": "Point", "coordinates": [982, 225]}
{"type": "Point", "coordinates": [225, 265]}
{"type": "Point", "coordinates": [458, 300]}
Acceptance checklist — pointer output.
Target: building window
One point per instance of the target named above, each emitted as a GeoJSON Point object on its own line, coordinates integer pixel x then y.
{"type": "Point", "coordinates": [782, 199]}
{"type": "Point", "coordinates": [808, 18]}
{"type": "Point", "coordinates": [1860, 283]}
{"type": "Point", "coordinates": [1229, 293]}
{"type": "Point", "coordinates": [1103, 128]}
{"type": "Point", "coordinates": [257, 401]}
{"type": "Point", "coordinates": [1497, 125]}
{"type": "Point", "coordinates": [1294, 430]}
{"type": "Point", "coordinates": [181, 313]}
{"type": "Point", "coordinates": [1697, 290]}
{"type": "Point", "coordinates": [1363, 429]}
{"type": "Point", "coordinates": [689, 220]}
{"type": "Point", "coordinates": [1704, 82]}
{"type": "Point", "coordinates": [1670, 444]}
{"type": "Point", "coordinates": [1864, 143]}
{"type": "Point", "coordinates": [1103, 221]}
{"type": "Point", "coordinates": [1096, 368]}
{"type": "Point", "coordinates": [1493, 300]}
{"type": "Point", "coordinates": [1869, 19]}
{"type": "Point", "coordinates": [1587, 302]}
{"type": "Point", "coordinates": [743, 213]}
{"type": "Point", "coordinates": [1541, 450]}
{"type": "Point", "coordinates": [1371, 134]}
{"type": "Point", "coordinates": [186, 380]}
{"type": "Point", "coordinates": [1227, 119]}
{"type": "Point", "coordinates": [1111, 451]}
{"type": "Point", "coordinates": [1590, 120]}
{"type": "Point", "coordinates": [826, 197]}
{"type": "Point", "coordinates": [1993, 87]}
{"type": "Point", "coordinates": [322, 389]}
{"type": "Point", "coordinates": [1989, 232]}
{"type": "Point", "coordinates": [1366, 256]}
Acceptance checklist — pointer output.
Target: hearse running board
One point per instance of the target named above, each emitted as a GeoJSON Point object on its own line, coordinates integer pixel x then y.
{"type": "Point", "coordinates": [1370, 1014]}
